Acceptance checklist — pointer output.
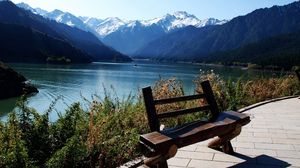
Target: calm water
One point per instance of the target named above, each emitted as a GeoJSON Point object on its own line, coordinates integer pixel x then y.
{"type": "Point", "coordinates": [73, 82]}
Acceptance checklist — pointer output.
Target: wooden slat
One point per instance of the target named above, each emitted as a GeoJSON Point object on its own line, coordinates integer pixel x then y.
{"type": "Point", "coordinates": [210, 98]}
{"type": "Point", "coordinates": [182, 112]}
{"type": "Point", "coordinates": [178, 99]}
{"type": "Point", "coordinates": [194, 134]}
{"type": "Point", "coordinates": [150, 109]}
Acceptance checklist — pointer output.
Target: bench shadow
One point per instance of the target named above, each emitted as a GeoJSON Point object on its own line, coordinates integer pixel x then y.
{"type": "Point", "coordinates": [260, 161]}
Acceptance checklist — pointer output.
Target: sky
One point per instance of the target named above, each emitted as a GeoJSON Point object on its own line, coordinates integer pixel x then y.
{"type": "Point", "coordinates": [149, 9]}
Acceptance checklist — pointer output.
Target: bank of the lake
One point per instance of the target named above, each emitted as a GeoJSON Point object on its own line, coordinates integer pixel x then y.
{"type": "Point", "coordinates": [13, 84]}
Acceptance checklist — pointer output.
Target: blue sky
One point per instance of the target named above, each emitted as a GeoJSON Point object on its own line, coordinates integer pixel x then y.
{"type": "Point", "coordinates": [148, 9]}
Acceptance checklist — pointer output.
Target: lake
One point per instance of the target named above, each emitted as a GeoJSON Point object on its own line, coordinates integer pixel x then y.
{"type": "Point", "coordinates": [75, 81]}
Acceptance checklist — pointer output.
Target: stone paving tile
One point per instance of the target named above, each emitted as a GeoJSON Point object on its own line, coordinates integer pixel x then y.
{"type": "Point", "coordinates": [274, 146]}
{"type": "Point", "coordinates": [288, 154]}
{"type": "Point", "coordinates": [255, 130]}
{"type": "Point", "coordinates": [294, 136]}
{"type": "Point", "coordinates": [230, 158]}
{"type": "Point", "coordinates": [256, 152]}
{"type": "Point", "coordinates": [243, 144]}
{"type": "Point", "coordinates": [271, 135]}
{"type": "Point", "coordinates": [264, 126]}
{"type": "Point", "coordinates": [286, 141]}
{"type": "Point", "coordinates": [297, 147]}
{"type": "Point", "coordinates": [182, 162]}
{"type": "Point", "coordinates": [189, 148]}
{"type": "Point", "coordinates": [209, 164]}
{"type": "Point", "coordinates": [205, 149]}
{"type": "Point", "coordinates": [195, 155]}
{"type": "Point", "coordinates": [246, 134]}
{"type": "Point", "coordinates": [254, 139]}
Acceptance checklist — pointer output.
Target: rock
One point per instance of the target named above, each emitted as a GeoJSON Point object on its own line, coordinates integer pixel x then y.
{"type": "Point", "coordinates": [13, 84]}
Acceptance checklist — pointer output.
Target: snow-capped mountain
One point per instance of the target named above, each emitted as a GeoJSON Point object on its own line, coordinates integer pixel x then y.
{"type": "Point", "coordinates": [90, 21]}
{"type": "Point", "coordinates": [38, 11]}
{"type": "Point", "coordinates": [59, 16]}
{"type": "Point", "coordinates": [108, 26]}
{"type": "Point", "coordinates": [177, 20]}
{"type": "Point", "coordinates": [68, 19]}
{"type": "Point", "coordinates": [168, 23]}
{"type": "Point", "coordinates": [210, 21]}
{"type": "Point", "coordinates": [127, 36]}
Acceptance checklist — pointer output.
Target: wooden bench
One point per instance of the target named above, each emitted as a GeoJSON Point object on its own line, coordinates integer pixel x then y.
{"type": "Point", "coordinates": [160, 145]}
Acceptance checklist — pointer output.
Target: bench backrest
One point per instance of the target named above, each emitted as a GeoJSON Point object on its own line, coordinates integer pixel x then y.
{"type": "Point", "coordinates": [153, 117]}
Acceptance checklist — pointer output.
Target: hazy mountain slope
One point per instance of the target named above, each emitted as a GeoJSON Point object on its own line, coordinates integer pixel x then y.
{"type": "Point", "coordinates": [131, 36]}
{"type": "Point", "coordinates": [190, 44]}
{"type": "Point", "coordinates": [21, 44]}
{"type": "Point", "coordinates": [282, 51]}
{"type": "Point", "coordinates": [87, 42]}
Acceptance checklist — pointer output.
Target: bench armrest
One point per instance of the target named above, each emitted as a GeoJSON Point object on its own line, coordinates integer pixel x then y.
{"type": "Point", "coordinates": [156, 142]}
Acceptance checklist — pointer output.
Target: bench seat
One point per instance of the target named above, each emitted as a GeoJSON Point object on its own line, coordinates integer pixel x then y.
{"type": "Point", "coordinates": [194, 132]}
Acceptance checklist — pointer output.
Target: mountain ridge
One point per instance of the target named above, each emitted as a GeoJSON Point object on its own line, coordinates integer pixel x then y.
{"type": "Point", "coordinates": [85, 41]}
{"type": "Point", "coordinates": [190, 44]}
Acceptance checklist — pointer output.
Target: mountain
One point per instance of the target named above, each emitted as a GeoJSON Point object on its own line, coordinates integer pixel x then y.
{"type": "Point", "coordinates": [131, 36]}
{"type": "Point", "coordinates": [85, 41]}
{"type": "Point", "coordinates": [90, 21]}
{"type": "Point", "coordinates": [22, 44]}
{"type": "Point", "coordinates": [68, 19]}
{"type": "Point", "coordinates": [106, 26]}
{"type": "Point", "coordinates": [279, 51]}
{"type": "Point", "coordinates": [37, 11]}
{"type": "Point", "coordinates": [128, 36]}
{"type": "Point", "coordinates": [59, 16]}
{"type": "Point", "coordinates": [191, 44]}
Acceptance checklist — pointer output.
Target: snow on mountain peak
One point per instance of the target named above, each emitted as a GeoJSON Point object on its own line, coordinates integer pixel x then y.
{"type": "Point", "coordinates": [183, 15]}
{"type": "Point", "coordinates": [109, 25]}
{"type": "Point", "coordinates": [38, 11]}
{"type": "Point", "coordinates": [210, 21]}
{"type": "Point", "coordinates": [24, 6]}
{"type": "Point", "coordinates": [170, 22]}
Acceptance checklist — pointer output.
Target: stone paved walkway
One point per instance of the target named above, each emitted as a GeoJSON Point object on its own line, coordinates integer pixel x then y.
{"type": "Point", "coordinates": [271, 139]}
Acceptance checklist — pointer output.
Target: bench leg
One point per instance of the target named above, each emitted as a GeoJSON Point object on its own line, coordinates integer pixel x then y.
{"type": "Point", "coordinates": [160, 161]}
{"type": "Point", "coordinates": [162, 164]}
{"type": "Point", "coordinates": [223, 142]}
{"type": "Point", "coordinates": [227, 148]}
